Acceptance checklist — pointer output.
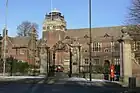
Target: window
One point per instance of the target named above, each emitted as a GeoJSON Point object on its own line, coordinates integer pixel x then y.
{"type": "Point", "coordinates": [97, 47]}
{"type": "Point", "coordinates": [85, 50]}
{"type": "Point", "coordinates": [74, 63]}
{"type": "Point", "coordinates": [112, 46]}
{"type": "Point", "coordinates": [116, 61]}
{"type": "Point", "coordinates": [86, 61]}
{"type": "Point", "coordinates": [134, 46]}
{"type": "Point", "coordinates": [96, 61]}
{"type": "Point", "coordinates": [106, 50]}
{"type": "Point", "coordinates": [137, 45]}
{"type": "Point", "coordinates": [22, 52]}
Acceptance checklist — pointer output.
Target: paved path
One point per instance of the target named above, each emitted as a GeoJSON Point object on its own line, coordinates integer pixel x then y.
{"type": "Point", "coordinates": [33, 86]}
{"type": "Point", "coordinates": [25, 84]}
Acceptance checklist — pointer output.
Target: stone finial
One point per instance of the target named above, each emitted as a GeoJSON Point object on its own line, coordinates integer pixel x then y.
{"type": "Point", "coordinates": [33, 29]}
{"type": "Point", "coordinates": [124, 30]}
{"type": "Point", "coordinates": [125, 35]}
{"type": "Point", "coordinates": [5, 31]}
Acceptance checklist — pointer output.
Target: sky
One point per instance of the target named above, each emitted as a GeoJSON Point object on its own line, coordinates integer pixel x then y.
{"type": "Point", "coordinates": [104, 13]}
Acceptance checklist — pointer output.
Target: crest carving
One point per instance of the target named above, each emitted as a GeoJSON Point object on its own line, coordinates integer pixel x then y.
{"type": "Point", "coordinates": [60, 46]}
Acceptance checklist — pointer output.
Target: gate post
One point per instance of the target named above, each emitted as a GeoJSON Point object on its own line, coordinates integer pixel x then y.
{"type": "Point", "coordinates": [125, 57]}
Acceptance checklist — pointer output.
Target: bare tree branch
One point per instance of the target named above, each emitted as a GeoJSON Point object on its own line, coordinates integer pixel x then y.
{"type": "Point", "coordinates": [134, 14]}
{"type": "Point", "coordinates": [24, 29]}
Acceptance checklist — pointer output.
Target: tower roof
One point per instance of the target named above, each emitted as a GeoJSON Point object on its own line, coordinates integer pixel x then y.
{"type": "Point", "coordinates": [55, 10]}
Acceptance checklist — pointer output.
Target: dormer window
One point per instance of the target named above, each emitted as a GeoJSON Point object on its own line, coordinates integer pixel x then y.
{"type": "Point", "coordinates": [67, 37]}
{"type": "Point", "coordinates": [106, 35]}
{"type": "Point", "coordinates": [22, 52]}
{"type": "Point", "coordinates": [86, 36]}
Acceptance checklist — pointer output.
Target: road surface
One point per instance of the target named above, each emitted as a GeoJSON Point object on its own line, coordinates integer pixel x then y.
{"type": "Point", "coordinates": [61, 84]}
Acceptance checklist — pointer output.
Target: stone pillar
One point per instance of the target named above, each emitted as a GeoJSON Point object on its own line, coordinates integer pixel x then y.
{"type": "Point", "coordinates": [121, 59]}
{"type": "Point", "coordinates": [43, 64]}
{"type": "Point", "coordinates": [127, 63]}
{"type": "Point", "coordinates": [125, 58]}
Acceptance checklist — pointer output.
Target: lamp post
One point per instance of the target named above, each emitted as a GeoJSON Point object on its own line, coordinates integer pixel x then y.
{"type": "Point", "coordinates": [1, 46]}
{"type": "Point", "coordinates": [112, 48]}
{"type": "Point", "coordinates": [70, 65]}
{"type": "Point", "coordinates": [112, 67]}
{"type": "Point", "coordinates": [79, 47]}
{"type": "Point", "coordinates": [11, 63]}
{"type": "Point", "coordinates": [90, 38]}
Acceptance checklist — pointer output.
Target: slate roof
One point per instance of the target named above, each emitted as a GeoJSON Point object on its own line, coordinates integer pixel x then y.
{"type": "Point", "coordinates": [98, 34]}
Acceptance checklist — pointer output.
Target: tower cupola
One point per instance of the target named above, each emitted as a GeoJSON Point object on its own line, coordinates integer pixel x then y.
{"type": "Point", "coordinates": [54, 21]}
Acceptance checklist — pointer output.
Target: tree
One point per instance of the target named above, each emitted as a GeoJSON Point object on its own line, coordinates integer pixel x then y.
{"type": "Point", "coordinates": [106, 70]}
{"type": "Point", "coordinates": [23, 67]}
{"type": "Point", "coordinates": [133, 19]}
{"type": "Point", "coordinates": [24, 29]}
{"type": "Point", "coordinates": [98, 69]}
{"type": "Point", "coordinates": [134, 13]}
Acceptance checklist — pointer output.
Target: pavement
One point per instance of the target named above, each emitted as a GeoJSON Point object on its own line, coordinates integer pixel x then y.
{"type": "Point", "coordinates": [59, 84]}
{"type": "Point", "coordinates": [35, 87]}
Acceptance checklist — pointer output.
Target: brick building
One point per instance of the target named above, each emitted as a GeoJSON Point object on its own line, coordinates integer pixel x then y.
{"type": "Point", "coordinates": [105, 45]}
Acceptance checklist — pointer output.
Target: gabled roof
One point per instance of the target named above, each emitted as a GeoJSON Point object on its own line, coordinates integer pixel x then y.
{"type": "Point", "coordinates": [20, 40]}
{"type": "Point", "coordinates": [96, 32]}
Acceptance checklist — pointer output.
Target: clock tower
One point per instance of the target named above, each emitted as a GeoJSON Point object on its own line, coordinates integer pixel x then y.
{"type": "Point", "coordinates": [54, 27]}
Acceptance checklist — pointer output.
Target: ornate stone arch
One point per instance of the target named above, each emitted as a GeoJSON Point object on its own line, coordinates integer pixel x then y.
{"type": "Point", "coordinates": [60, 46]}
